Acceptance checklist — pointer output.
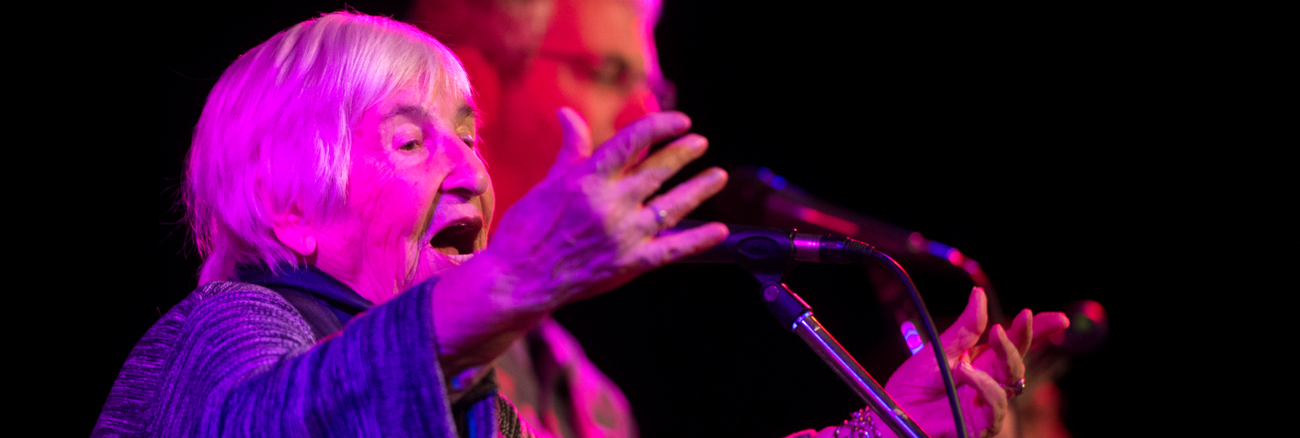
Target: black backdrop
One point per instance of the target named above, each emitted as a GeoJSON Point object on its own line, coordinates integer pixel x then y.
{"type": "Point", "coordinates": [1028, 136]}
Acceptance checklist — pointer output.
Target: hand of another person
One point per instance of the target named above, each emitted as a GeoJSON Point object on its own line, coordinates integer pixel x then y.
{"type": "Point", "coordinates": [918, 388]}
{"type": "Point", "coordinates": [583, 230]}
{"type": "Point", "coordinates": [1006, 364]}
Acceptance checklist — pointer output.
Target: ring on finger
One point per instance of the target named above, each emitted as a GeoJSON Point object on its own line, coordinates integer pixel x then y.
{"type": "Point", "coordinates": [661, 215]}
{"type": "Point", "coordinates": [1014, 389]}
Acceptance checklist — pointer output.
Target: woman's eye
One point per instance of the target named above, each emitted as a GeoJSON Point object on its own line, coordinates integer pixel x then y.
{"type": "Point", "coordinates": [468, 139]}
{"type": "Point", "coordinates": [410, 145]}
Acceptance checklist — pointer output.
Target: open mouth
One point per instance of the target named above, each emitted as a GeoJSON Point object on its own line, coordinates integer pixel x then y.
{"type": "Point", "coordinates": [458, 238]}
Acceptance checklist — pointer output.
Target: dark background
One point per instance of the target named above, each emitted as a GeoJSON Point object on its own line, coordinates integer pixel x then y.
{"type": "Point", "coordinates": [1038, 139]}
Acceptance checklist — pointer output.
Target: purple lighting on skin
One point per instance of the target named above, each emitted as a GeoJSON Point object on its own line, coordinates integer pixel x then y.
{"type": "Point", "coordinates": [912, 337]}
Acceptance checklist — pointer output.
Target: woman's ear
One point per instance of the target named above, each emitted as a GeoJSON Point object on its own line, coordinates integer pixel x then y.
{"type": "Point", "coordinates": [295, 231]}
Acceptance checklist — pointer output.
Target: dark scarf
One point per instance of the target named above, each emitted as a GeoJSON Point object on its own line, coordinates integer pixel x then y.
{"type": "Point", "coordinates": [324, 302]}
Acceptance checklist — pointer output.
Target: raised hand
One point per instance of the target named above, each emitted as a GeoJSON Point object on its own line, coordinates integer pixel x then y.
{"type": "Point", "coordinates": [1006, 363]}
{"type": "Point", "coordinates": [586, 220]}
{"type": "Point", "coordinates": [981, 377]}
{"type": "Point", "coordinates": [584, 229]}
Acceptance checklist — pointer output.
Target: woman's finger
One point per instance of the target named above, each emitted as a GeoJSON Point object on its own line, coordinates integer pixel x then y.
{"type": "Point", "coordinates": [615, 155]}
{"type": "Point", "coordinates": [992, 400]}
{"type": "Point", "coordinates": [964, 333]}
{"type": "Point", "coordinates": [682, 200]}
{"type": "Point", "coordinates": [1008, 367]}
{"type": "Point", "coordinates": [664, 250]}
{"type": "Point", "coordinates": [649, 175]}
{"type": "Point", "coordinates": [576, 145]}
{"type": "Point", "coordinates": [1021, 332]}
{"type": "Point", "coordinates": [675, 154]}
{"type": "Point", "coordinates": [1049, 323]}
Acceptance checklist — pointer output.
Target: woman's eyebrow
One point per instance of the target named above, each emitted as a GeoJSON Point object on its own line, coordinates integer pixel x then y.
{"type": "Point", "coordinates": [412, 111]}
{"type": "Point", "coordinates": [466, 110]}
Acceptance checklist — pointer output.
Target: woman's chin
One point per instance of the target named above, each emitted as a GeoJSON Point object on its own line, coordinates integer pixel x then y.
{"type": "Point", "coordinates": [434, 262]}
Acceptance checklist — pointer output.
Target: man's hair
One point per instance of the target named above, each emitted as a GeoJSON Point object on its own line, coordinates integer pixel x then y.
{"type": "Point", "coordinates": [276, 132]}
{"type": "Point", "coordinates": [507, 32]}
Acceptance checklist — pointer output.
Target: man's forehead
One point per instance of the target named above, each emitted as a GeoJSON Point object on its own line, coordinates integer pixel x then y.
{"type": "Point", "coordinates": [648, 8]}
{"type": "Point", "coordinates": [598, 27]}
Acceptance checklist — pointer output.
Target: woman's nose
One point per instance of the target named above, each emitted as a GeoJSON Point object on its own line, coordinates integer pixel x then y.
{"type": "Point", "coordinates": [468, 177]}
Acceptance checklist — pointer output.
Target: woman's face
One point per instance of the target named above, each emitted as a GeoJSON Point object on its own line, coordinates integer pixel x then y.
{"type": "Point", "coordinates": [418, 201]}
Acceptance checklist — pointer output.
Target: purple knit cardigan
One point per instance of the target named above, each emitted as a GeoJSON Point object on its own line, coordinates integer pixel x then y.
{"type": "Point", "coordinates": [236, 359]}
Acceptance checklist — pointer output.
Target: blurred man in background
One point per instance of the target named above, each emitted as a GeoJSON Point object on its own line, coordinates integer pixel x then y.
{"type": "Point", "coordinates": [526, 59]}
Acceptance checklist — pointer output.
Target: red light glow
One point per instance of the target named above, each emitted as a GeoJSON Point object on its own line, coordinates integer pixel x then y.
{"type": "Point", "coordinates": [1094, 311]}
{"type": "Point", "coordinates": [916, 240]}
{"type": "Point", "coordinates": [826, 221]}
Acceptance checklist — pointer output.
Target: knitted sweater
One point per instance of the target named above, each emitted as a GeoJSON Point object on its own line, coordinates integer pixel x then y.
{"type": "Point", "coordinates": [236, 359]}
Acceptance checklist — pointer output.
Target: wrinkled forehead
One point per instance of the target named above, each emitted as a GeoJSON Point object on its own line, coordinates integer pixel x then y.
{"type": "Point", "coordinates": [445, 102]}
{"type": "Point", "coordinates": [446, 108]}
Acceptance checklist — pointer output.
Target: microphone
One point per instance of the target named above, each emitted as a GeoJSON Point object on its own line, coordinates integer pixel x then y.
{"type": "Point", "coordinates": [775, 249]}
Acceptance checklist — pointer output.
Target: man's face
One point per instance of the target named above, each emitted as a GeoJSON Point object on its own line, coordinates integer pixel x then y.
{"type": "Point", "coordinates": [418, 196]}
{"type": "Point", "coordinates": [594, 59]}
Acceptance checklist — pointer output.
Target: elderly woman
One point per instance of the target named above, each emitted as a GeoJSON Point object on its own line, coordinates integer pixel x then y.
{"type": "Point", "coordinates": [333, 183]}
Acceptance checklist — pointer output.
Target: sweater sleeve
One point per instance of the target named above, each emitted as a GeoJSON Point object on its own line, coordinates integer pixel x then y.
{"type": "Point", "coordinates": [245, 364]}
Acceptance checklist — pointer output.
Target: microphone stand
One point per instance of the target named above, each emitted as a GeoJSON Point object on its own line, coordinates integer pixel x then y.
{"type": "Point", "coordinates": [768, 254]}
{"type": "Point", "coordinates": [794, 313]}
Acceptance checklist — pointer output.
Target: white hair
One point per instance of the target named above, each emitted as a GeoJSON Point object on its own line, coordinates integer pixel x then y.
{"type": "Point", "coordinates": [276, 132]}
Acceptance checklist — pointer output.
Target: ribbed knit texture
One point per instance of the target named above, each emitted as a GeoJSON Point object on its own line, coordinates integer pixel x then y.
{"type": "Point", "coordinates": [235, 359]}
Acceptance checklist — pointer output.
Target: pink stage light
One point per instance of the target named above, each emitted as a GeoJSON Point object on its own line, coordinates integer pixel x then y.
{"type": "Point", "coordinates": [954, 256]}
{"type": "Point", "coordinates": [916, 241]}
{"type": "Point", "coordinates": [1094, 311]}
{"type": "Point", "coordinates": [826, 221]}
